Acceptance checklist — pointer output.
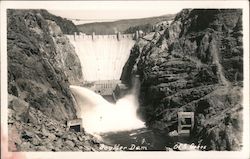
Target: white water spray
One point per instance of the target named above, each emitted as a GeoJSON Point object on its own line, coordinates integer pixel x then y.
{"type": "Point", "coordinates": [99, 116]}
{"type": "Point", "coordinates": [102, 58]}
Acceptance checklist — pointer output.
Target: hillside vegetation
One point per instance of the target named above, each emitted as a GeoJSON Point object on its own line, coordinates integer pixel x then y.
{"type": "Point", "coordinates": [67, 26]}
{"type": "Point", "coordinates": [106, 28]}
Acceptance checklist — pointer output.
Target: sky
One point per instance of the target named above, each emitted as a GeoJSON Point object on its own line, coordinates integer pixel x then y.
{"type": "Point", "coordinates": [115, 11]}
{"type": "Point", "coordinates": [112, 10]}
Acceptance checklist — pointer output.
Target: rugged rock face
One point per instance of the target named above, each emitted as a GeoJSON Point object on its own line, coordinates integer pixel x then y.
{"type": "Point", "coordinates": [33, 131]}
{"type": "Point", "coordinates": [41, 64]}
{"type": "Point", "coordinates": [66, 26]}
{"type": "Point", "coordinates": [195, 64]}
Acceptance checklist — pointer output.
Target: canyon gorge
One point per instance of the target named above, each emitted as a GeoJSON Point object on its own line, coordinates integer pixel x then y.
{"type": "Point", "coordinates": [190, 63]}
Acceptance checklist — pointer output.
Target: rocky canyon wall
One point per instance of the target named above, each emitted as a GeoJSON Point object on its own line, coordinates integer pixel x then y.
{"type": "Point", "coordinates": [195, 64]}
{"type": "Point", "coordinates": [41, 64]}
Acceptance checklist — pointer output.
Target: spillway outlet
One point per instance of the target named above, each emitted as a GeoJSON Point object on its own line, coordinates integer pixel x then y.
{"type": "Point", "coordinates": [75, 125]}
{"type": "Point", "coordinates": [120, 91]}
{"type": "Point", "coordinates": [109, 89]}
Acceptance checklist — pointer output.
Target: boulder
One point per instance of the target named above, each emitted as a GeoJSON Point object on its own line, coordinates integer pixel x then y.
{"type": "Point", "coordinates": [69, 143]}
{"type": "Point", "coordinates": [19, 108]}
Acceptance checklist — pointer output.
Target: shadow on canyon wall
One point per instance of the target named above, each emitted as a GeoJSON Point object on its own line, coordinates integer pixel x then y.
{"type": "Point", "coordinates": [196, 65]}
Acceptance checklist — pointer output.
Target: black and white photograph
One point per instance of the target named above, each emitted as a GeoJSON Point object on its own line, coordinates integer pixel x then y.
{"type": "Point", "coordinates": [127, 76]}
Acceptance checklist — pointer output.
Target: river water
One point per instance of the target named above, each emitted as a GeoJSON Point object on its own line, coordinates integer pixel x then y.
{"type": "Point", "coordinates": [118, 125]}
{"type": "Point", "coordinates": [143, 139]}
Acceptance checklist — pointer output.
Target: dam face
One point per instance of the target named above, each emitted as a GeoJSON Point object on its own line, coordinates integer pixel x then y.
{"type": "Point", "coordinates": [102, 56]}
{"type": "Point", "coordinates": [104, 107]}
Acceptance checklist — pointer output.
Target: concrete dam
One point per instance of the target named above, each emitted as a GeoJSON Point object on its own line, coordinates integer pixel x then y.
{"type": "Point", "coordinates": [102, 56]}
{"type": "Point", "coordinates": [102, 59]}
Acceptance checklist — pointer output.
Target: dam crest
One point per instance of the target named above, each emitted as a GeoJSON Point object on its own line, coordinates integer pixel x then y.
{"type": "Point", "coordinates": [102, 59]}
{"type": "Point", "coordinates": [118, 36]}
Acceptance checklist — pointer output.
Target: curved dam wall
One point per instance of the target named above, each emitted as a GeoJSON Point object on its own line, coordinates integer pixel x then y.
{"type": "Point", "coordinates": [102, 56]}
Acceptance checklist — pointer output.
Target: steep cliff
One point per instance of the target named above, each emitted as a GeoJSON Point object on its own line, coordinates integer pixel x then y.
{"type": "Point", "coordinates": [67, 26]}
{"type": "Point", "coordinates": [195, 64]}
{"type": "Point", "coordinates": [41, 64]}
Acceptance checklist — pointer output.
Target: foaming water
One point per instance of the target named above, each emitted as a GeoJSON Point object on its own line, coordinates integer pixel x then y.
{"type": "Point", "coordinates": [100, 116]}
